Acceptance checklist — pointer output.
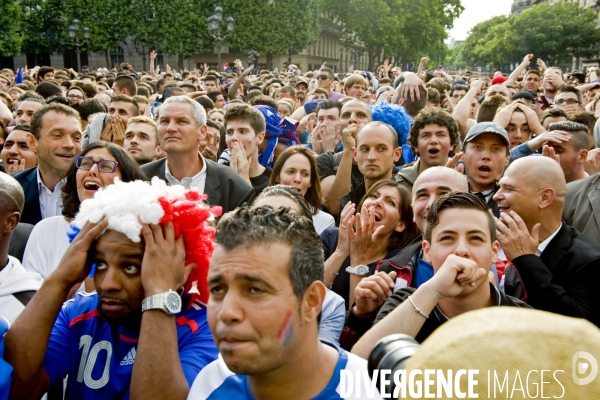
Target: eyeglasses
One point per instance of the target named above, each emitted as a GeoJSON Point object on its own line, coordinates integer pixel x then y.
{"type": "Point", "coordinates": [570, 102]}
{"type": "Point", "coordinates": [323, 77]}
{"type": "Point", "coordinates": [104, 166]}
{"type": "Point", "coordinates": [73, 97]}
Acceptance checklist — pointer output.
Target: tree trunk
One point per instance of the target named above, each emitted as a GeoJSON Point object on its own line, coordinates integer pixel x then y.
{"type": "Point", "coordinates": [179, 61]}
{"type": "Point", "coordinates": [372, 54]}
{"type": "Point", "coordinates": [270, 61]}
{"type": "Point", "coordinates": [107, 55]}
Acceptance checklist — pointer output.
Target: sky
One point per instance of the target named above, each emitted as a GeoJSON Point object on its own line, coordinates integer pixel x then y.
{"type": "Point", "coordinates": [477, 11]}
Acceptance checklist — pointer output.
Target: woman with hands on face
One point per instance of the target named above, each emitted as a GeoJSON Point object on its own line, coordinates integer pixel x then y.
{"type": "Point", "coordinates": [377, 229]}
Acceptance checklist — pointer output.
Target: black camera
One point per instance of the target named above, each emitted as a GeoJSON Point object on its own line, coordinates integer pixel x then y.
{"type": "Point", "coordinates": [392, 353]}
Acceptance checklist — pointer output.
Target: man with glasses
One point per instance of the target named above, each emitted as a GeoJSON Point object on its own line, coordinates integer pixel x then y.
{"type": "Point", "coordinates": [325, 80]}
{"type": "Point", "coordinates": [570, 100]}
{"type": "Point", "coordinates": [56, 138]}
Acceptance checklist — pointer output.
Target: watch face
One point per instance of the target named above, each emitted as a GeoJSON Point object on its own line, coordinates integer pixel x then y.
{"type": "Point", "coordinates": [362, 270]}
{"type": "Point", "coordinates": [173, 302]}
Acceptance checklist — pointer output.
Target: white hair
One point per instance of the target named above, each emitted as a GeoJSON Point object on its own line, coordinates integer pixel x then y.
{"type": "Point", "coordinates": [198, 110]}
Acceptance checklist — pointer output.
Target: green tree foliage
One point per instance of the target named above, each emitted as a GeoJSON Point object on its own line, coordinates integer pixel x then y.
{"type": "Point", "coordinates": [273, 28]}
{"type": "Point", "coordinates": [457, 59]}
{"type": "Point", "coordinates": [556, 33]}
{"type": "Point", "coordinates": [408, 29]}
{"type": "Point", "coordinates": [43, 26]}
{"type": "Point", "coordinates": [10, 16]}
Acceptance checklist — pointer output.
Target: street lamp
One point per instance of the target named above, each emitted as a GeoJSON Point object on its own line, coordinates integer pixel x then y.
{"type": "Point", "coordinates": [214, 28]}
{"type": "Point", "coordinates": [73, 29]}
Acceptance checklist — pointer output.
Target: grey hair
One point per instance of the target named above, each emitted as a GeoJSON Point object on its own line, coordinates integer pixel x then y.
{"type": "Point", "coordinates": [199, 112]}
{"type": "Point", "coordinates": [255, 226]}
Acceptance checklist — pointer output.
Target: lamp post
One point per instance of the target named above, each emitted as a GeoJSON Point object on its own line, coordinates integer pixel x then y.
{"type": "Point", "coordinates": [73, 30]}
{"type": "Point", "coordinates": [214, 28]}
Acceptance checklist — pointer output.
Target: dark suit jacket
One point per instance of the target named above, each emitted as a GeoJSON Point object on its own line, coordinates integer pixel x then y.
{"type": "Point", "coordinates": [563, 280]}
{"type": "Point", "coordinates": [582, 206]}
{"type": "Point", "coordinates": [223, 186]}
{"type": "Point", "coordinates": [32, 213]}
{"type": "Point", "coordinates": [19, 238]}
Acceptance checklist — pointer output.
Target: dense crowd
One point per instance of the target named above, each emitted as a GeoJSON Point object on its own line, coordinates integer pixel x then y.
{"type": "Point", "coordinates": [251, 233]}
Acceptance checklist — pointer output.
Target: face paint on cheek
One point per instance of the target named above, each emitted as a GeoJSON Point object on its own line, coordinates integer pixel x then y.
{"type": "Point", "coordinates": [286, 332]}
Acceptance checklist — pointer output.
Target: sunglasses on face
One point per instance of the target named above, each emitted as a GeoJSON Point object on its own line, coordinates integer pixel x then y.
{"type": "Point", "coordinates": [323, 77]}
{"type": "Point", "coordinates": [105, 166]}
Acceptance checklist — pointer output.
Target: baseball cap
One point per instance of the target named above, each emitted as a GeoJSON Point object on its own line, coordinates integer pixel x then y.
{"type": "Point", "coordinates": [497, 80]}
{"type": "Point", "coordinates": [486, 127]}
{"type": "Point", "coordinates": [459, 82]}
{"type": "Point", "coordinates": [301, 82]}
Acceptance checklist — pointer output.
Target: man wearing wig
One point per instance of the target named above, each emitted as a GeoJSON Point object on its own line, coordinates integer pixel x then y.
{"type": "Point", "coordinates": [143, 334]}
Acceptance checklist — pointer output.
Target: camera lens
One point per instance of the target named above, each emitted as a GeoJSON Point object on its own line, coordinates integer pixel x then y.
{"type": "Point", "coordinates": [392, 353]}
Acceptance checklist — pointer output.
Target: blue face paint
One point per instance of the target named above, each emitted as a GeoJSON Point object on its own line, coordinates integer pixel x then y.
{"type": "Point", "coordinates": [93, 270]}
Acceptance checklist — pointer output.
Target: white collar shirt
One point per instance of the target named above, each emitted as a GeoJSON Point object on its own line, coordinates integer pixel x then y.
{"type": "Point", "coordinates": [50, 200]}
{"type": "Point", "coordinates": [197, 181]}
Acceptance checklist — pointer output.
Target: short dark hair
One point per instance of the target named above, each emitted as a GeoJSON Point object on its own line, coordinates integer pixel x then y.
{"type": "Point", "coordinates": [571, 89]}
{"type": "Point", "coordinates": [248, 227]}
{"type": "Point", "coordinates": [205, 102]}
{"type": "Point", "coordinates": [246, 113]}
{"type": "Point", "coordinates": [43, 71]}
{"type": "Point", "coordinates": [89, 107]}
{"type": "Point", "coordinates": [460, 200]}
{"type": "Point", "coordinates": [130, 171]}
{"type": "Point", "coordinates": [329, 72]}
{"type": "Point", "coordinates": [392, 130]}
{"type": "Point", "coordinates": [213, 95]}
{"type": "Point", "coordinates": [432, 116]}
{"type": "Point", "coordinates": [553, 113]}
{"type": "Point", "coordinates": [580, 139]}
{"type": "Point", "coordinates": [37, 119]}
{"type": "Point", "coordinates": [288, 89]}
{"type": "Point", "coordinates": [22, 127]}
{"type": "Point", "coordinates": [414, 107]}
{"type": "Point", "coordinates": [211, 124]}
{"type": "Point", "coordinates": [263, 100]}
{"type": "Point", "coordinates": [211, 77]}
{"type": "Point", "coordinates": [126, 82]}
{"type": "Point", "coordinates": [126, 99]}
{"type": "Point", "coordinates": [89, 89]}
{"type": "Point", "coordinates": [490, 106]}
{"type": "Point", "coordinates": [48, 89]}
{"type": "Point", "coordinates": [328, 105]}
{"type": "Point", "coordinates": [532, 71]}
{"type": "Point", "coordinates": [458, 87]}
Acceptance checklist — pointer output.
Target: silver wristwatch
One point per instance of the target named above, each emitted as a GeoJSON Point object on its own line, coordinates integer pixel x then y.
{"type": "Point", "coordinates": [360, 270]}
{"type": "Point", "coordinates": [169, 302]}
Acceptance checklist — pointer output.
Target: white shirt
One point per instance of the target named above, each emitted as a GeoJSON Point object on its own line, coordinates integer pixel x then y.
{"type": "Point", "coordinates": [50, 201]}
{"type": "Point", "coordinates": [540, 249]}
{"type": "Point", "coordinates": [46, 245]}
{"type": "Point", "coordinates": [322, 221]}
{"type": "Point", "coordinates": [198, 181]}
{"type": "Point", "coordinates": [542, 246]}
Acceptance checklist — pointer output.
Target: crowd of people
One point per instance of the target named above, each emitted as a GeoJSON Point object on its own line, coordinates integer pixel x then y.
{"type": "Point", "coordinates": [252, 233]}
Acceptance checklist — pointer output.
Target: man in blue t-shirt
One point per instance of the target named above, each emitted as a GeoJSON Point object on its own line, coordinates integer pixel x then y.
{"type": "Point", "coordinates": [264, 314]}
{"type": "Point", "coordinates": [135, 335]}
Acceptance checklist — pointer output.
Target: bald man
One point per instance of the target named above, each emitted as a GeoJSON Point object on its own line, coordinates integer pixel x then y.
{"type": "Point", "coordinates": [550, 265]}
{"type": "Point", "coordinates": [407, 268]}
{"type": "Point", "coordinates": [17, 286]}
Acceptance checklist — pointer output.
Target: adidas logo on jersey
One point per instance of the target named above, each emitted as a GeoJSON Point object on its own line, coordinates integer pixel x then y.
{"type": "Point", "coordinates": [129, 358]}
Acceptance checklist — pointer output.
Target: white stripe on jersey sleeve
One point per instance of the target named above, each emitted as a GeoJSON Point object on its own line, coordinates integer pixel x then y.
{"type": "Point", "coordinates": [209, 379]}
{"type": "Point", "coordinates": [356, 363]}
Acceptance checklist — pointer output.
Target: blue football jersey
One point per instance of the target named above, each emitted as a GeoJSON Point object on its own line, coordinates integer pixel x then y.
{"type": "Point", "coordinates": [217, 382]}
{"type": "Point", "coordinates": [98, 357]}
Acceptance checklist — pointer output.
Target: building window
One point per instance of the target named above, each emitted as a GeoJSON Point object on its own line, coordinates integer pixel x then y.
{"type": "Point", "coordinates": [117, 56]}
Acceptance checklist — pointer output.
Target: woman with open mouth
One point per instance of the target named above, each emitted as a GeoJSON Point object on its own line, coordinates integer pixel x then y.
{"type": "Point", "coordinates": [378, 229]}
{"type": "Point", "coordinates": [97, 166]}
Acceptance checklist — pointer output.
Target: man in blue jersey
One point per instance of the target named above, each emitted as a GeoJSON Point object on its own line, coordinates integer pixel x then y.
{"type": "Point", "coordinates": [266, 292]}
{"type": "Point", "coordinates": [135, 336]}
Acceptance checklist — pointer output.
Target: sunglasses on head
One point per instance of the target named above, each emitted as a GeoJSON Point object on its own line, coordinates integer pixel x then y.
{"type": "Point", "coordinates": [323, 77]}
